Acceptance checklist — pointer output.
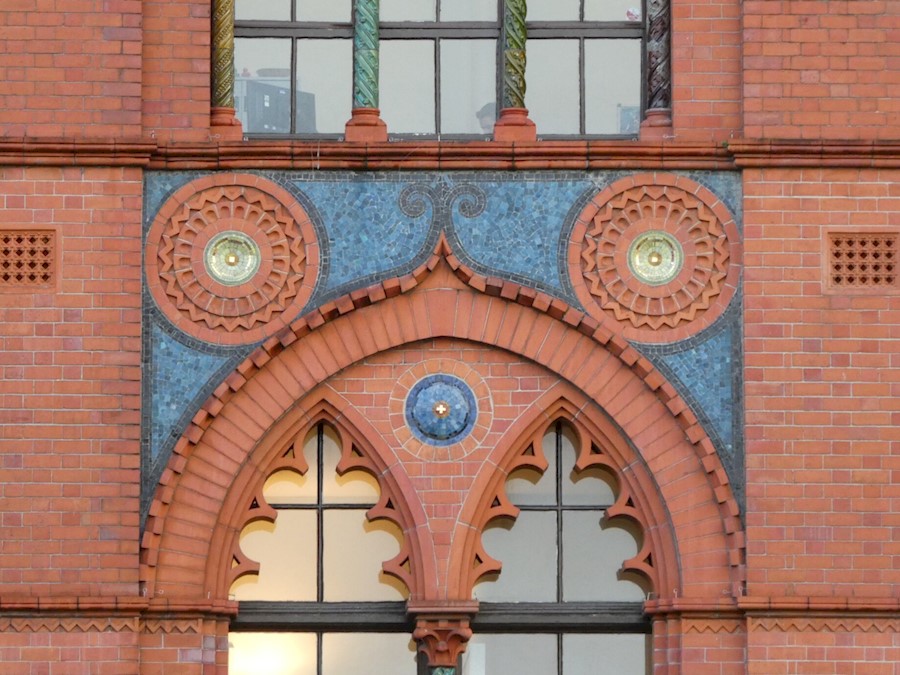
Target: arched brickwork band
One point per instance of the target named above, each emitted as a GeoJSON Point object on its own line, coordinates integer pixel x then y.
{"type": "Point", "coordinates": [658, 254]}
{"type": "Point", "coordinates": [251, 218]}
{"type": "Point", "coordinates": [201, 502]}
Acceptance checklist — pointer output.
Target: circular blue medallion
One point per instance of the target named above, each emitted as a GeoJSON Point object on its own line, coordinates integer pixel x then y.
{"type": "Point", "coordinates": [441, 409]}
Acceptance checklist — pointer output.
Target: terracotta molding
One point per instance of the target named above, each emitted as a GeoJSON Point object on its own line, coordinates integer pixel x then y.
{"type": "Point", "coordinates": [849, 605]}
{"type": "Point", "coordinates": [562, 154]}
{"type": "Point", "coordinates": [578, 155]}
{"type": "Point", "coordinates": [73, 604]}
{"type": "Point", "coordinates": [815, 153]}
{"type": "Point", "coordinates": [693, 607]}
{"type": "Point", "coordinates": [76, 152]}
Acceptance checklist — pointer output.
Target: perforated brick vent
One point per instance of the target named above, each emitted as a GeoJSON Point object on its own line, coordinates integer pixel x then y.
{"type": "Point", "coordinates": [27, 258]}
{"type": "Point", "coordinates": [863, 260]}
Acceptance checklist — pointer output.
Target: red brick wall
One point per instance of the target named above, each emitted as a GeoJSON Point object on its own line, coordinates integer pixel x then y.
{"type": "Point", "coordinates": [70, 403]}
{"type": "Point", "coordinates": [706, 69]}
{"type": "Point", "coordinates": [70, 68]}
{"type": "Point", "coordinates": [821, 69]}
{"type": "Point", "coordinates": [176, 89]}
{"type": "Point", "coordinates": [822, 385]}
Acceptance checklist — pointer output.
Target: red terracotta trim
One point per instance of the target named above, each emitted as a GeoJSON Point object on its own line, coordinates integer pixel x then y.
{"type": "Point", "coordinates": [436, 155]}
{"type": "Point", "coordinates": [76, 152]}
{"type": "Point", "coordinates": [805, 604]}
{"type": "Point", "coordinates": [815, 153]}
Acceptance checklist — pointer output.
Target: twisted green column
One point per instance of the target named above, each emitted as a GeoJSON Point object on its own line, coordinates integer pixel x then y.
{"type": "Point", "coordinates": [365, 55]}
{"type": "Point", "coordinates": [513, 124]}
{"type": "Point", "coordinates": [514, 35]}
{"type": "Point", "coordinates": [222, 122]}
{"type": "Point", "coordinates": [223, 54]}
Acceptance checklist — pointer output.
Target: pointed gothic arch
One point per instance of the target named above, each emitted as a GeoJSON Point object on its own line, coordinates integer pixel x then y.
{"type": "Point", "coordinates": [220, 460]}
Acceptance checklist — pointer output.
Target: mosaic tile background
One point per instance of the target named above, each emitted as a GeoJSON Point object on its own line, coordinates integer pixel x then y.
{"type": "Point", "coordinates": [706, 371]}
{"type": "Point", "coordinates": [376, 225]}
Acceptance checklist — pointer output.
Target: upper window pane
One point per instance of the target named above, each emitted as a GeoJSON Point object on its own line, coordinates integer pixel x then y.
{"type": "Point", "coordinates": [354, 549]}
{"type": "Point", "coordinates": [468, 84]}
{"type": "Point", "coordinates": [612, 95]}
{"type": "Point", "coordinates": [408, 10]}
{"type": "Point", "coordinates": [407, 86]}
{"type": "Point", "coordinates": [468, 10]}
{"type": "Point", "coordinates": [336, 11]}
{"type": "Point", "coordinates": [286, 553]}
{"type": "Point", "coordinates": [527, 551]}
{"type": "Point", "coordinates": [553, 10]}
{"type": "Point", "coordinates": [262, 88]}
{"type": "Point", "coordinates": [612, 10]}
{"type": "Point", "coordinates": [271, 10]}
{"type": "Point", "coordinates": [592, 556]}
{"type": "Point", "coordinates": [552, 95]}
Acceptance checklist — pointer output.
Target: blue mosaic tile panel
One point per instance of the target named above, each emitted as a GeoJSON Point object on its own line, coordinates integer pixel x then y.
{"type": "Point", "coordinates": [517, 235]}
{"type": "Point", "coordinates": [177, 375]}
{"type": "Point", "coordinates": [706, 371]}
{"type": "Point", "coordinates": [368, 235]}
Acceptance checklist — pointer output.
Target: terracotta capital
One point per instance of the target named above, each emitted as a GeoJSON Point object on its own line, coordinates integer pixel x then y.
{"type": "Point", "coordinates": [442, 630]}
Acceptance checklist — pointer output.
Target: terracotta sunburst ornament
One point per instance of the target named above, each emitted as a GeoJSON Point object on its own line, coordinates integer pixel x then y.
{"type": "Point", "coordinates": [231, 258]}
{"type": "Point", "coordinates": [659, 256]}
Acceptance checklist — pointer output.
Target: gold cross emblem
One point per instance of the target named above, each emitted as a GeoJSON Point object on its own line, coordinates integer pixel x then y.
{"type": "Point", "coordinates": [441, 409]}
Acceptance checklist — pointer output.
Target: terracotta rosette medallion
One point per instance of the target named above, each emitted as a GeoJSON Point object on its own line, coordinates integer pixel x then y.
{"type": "Point", "coordinates": [231, 258]}
{"type": "Point", "coordinates": [440, 410]}
{"type": "Point", "coordinates": [658, 255]}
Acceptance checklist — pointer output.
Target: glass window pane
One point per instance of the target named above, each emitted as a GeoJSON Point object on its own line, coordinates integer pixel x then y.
{"type": "Point", "coordinates": [353, 552]}
{"type": "Point", "coordinates": [272, 10]}
{"type": "Point", "coordinates": [408, 10]}
{"type": "Point", "coordinates": [553, 10]}
{"type": "Point", "coordinates": [606, 654]}
{"type": "Point", "coordinates": [262, 88]}
{"type": "Point", "coordinates": [407, 86]}
{"type": "Point", "coordinates": [359, 653]}
{"type": "Point", "coordinates": [289, 487]}
{"type": "Point", "coordinates": [468, 10]}
{"type": "Point", "coordinates": [324, 85]}
{"type": "Point", "coordinates": [468, 84]}
{"type": "Point", "coordinates": [336, 11]}
{"type": "Point", "coordinates": [612, 10]}
{"type": "Point", "coordinates": [592, 486]}
{"type": "Point", "coordinates": [552, 96]}
{"type": "Point", "coordinates": [528, 553]}
{"type": "Point", "coordinates": [286, 553]}
{"type": "Point", "coordinates": [499, 654]}
{"type": "Point", "coordinates": [354, 487]}
{"type": "Point", "coordinates": [271, 653]}
{"type": "Point", "coordinates": [526, 487]}
{"type": "Point", "coordinates": [613, 95]}
{"type": "Point", "coordinates": [592, 556]}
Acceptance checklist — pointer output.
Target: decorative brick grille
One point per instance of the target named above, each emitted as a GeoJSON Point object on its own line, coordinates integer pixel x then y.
{"type": "Point", "coordinates": [863, 260]}
{"type": "Point", "coordinates": [27, 257]}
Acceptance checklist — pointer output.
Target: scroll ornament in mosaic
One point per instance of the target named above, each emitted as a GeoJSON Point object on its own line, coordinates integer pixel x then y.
{"type": "Point", "coordinates": [655, 256]}
{"type": "Point", "coordinates": [231, 259]}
